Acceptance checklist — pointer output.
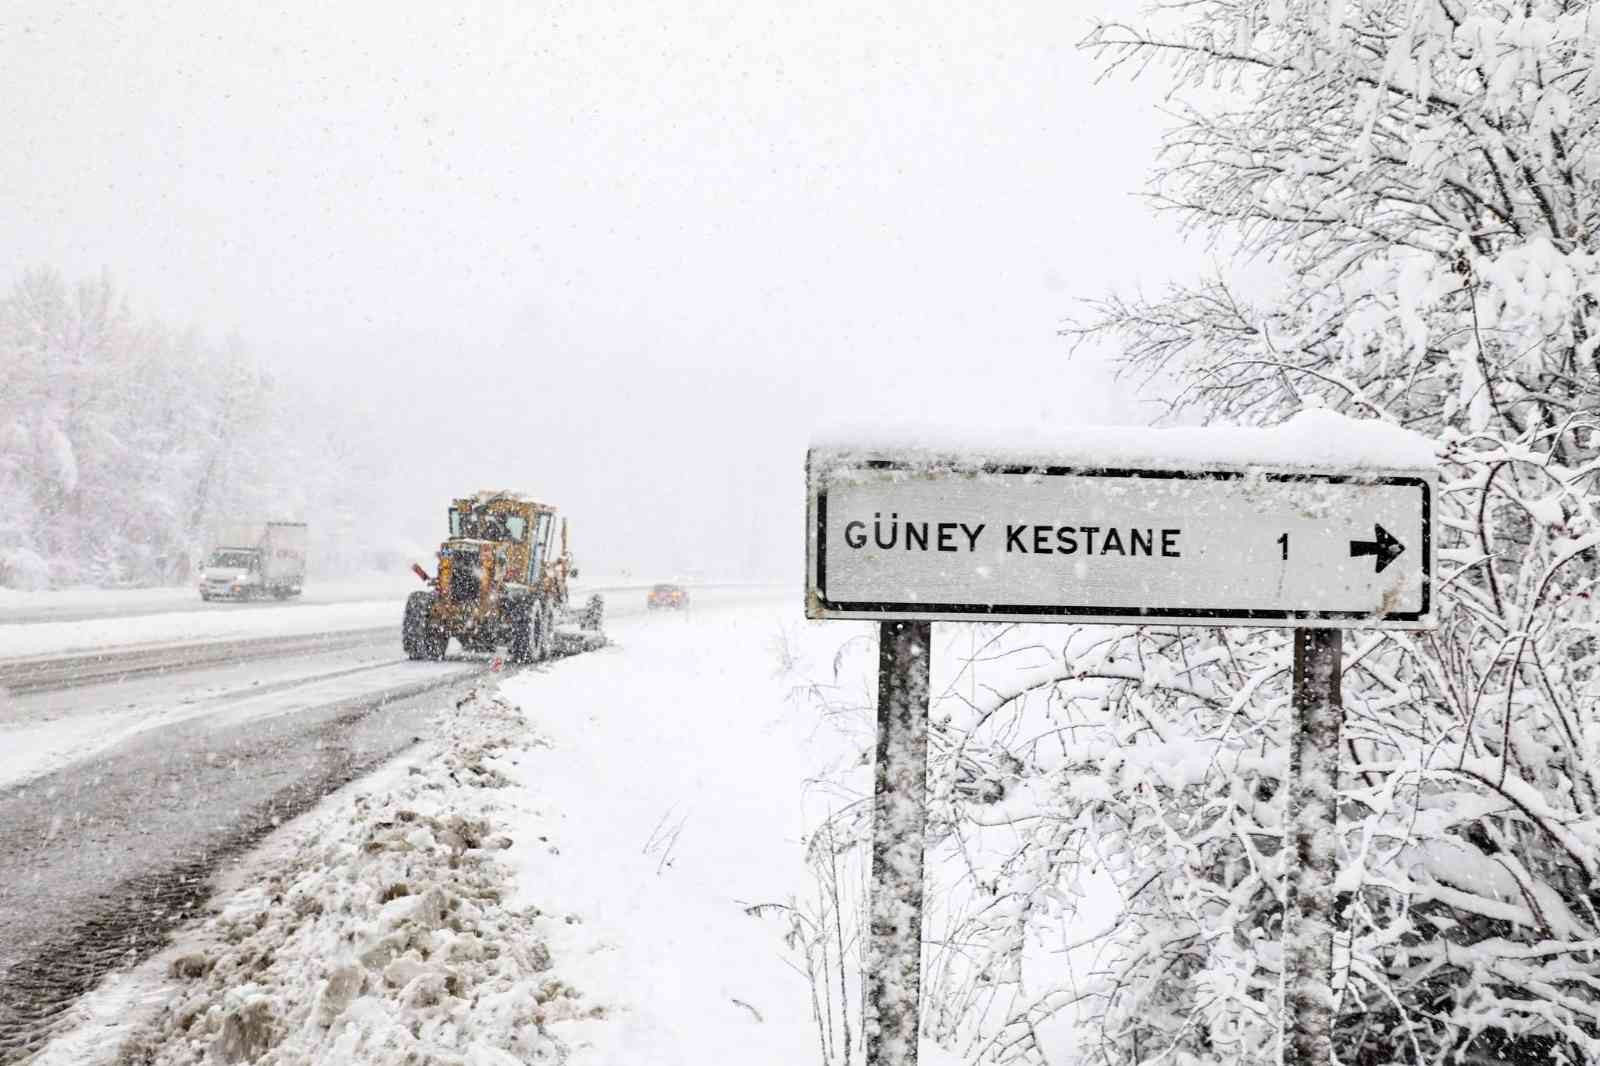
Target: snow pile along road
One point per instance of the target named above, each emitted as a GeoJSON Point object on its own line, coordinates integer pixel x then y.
{"type": "Point", "coordinates": [384, 939]}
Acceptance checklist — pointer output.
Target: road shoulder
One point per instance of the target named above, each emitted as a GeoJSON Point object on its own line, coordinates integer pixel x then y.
{"type": "Point", "coordinates": [373, 926]}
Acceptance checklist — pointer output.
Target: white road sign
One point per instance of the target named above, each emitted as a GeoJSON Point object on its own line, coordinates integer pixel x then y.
{"type": "Point", "coordinates": [890, 539]}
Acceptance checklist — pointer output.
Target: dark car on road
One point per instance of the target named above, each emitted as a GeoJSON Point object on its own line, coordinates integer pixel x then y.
{"type": "Point", "coordinates": [674, 596]}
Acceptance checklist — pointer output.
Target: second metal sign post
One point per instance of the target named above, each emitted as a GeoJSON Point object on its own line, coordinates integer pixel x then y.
{"type": "Point", "coordinates": [899, 818]}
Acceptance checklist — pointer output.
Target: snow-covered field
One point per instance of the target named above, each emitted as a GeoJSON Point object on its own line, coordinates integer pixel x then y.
{"type": "Point", "coordinates": [671, 795]}
{"type": "Point", "coordinates": [563, 874]}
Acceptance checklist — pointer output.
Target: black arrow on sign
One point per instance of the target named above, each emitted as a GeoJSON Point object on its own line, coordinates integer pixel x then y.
{"type": "Point", "coordinates": [1383, 545]}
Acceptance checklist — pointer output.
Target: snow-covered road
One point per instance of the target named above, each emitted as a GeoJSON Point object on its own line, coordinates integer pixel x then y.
{"type": "Point", "coordinates": [120, 788]}
{"type": "Point", "coordinates": [117, 800]}
{"type": "Point", "coordinates": [32, 624]}
{"type": "Point", "coordinates": [42, 673]}
{"type": "Point", "coordinates": [646, 799]}
{"type": "Point", "coordinates": [50, 639]}
{"type": "Point", "coordinates": [76, 605]}
{"type": "Point", "coordinates": [86, 604]}
{"type": "Point", "coordinates": [58, 703]}
{"type": "Point", "coordinates": [47, 728]}
{"type": "Point", "coordinates": [127, 772]}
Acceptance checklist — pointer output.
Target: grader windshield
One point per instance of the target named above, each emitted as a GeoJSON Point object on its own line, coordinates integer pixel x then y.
{"type": "Point", "coordinates": [481, 524]}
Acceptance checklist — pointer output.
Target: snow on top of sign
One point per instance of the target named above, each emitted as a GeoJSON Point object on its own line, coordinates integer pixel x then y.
{"type": "Point", "coordinates": [484, 496]}
{"type": "Point", "coordinates": [1315, 438]}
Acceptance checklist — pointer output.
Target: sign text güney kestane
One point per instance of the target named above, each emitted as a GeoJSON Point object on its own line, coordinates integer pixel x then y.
{"type": "Point", "coordinates": [1233, 546]}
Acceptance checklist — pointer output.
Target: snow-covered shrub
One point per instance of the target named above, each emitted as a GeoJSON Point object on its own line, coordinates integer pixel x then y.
{"type": "Point", "coordinates": [1423, 177]}
{"type": "Point", "coordinates": [23, 569]}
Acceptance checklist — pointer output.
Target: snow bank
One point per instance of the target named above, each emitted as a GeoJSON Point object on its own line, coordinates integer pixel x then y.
{"type": "Point", "coordinates": [1315, 438]}
{"type": "Point", "coordinates": [672, 806]}
{"type": "Point", "coordinates": [384, 938]}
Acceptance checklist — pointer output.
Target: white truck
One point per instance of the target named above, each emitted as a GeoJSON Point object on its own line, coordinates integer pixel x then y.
{"type": "Point", "coordinates": [262, 559]}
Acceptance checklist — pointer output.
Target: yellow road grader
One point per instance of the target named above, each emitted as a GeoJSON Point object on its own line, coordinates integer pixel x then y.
{"type": "Point", "coordinates": [501, 582]}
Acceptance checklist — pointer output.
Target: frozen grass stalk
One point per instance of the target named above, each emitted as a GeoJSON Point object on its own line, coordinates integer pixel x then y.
{"type": "Point", "coordinates": [899, 815]}
{"type": "Point", "coordinates": [1312, 823]}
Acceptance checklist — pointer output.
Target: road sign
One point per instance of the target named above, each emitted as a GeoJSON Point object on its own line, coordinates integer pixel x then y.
{"type": "Point", "coordinates": [906, 540]}
{"type": "Point", "coordinates": [1246, 546]}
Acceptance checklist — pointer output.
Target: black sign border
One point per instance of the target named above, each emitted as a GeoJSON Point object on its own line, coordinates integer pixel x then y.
{"type": "Point", "coordinates": [1215, 614]}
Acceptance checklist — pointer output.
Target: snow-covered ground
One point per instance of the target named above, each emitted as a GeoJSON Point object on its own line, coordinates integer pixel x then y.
{"type": "Point", "coordinates": [671, 798]}
{"type": "Point", "coordinates": [565, 873]}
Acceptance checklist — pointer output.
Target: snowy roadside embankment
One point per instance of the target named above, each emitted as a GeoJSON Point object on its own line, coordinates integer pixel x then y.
{"type": "Point", "coordinates": [384, 938]}
{"type": "Point", "coordinates": [676, 794]}
{"type": "Point", "coordinates": [653, 805]}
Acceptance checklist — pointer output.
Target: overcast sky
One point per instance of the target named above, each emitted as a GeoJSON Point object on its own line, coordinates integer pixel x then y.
{"type": "Point", "coordinates": [622, 256]}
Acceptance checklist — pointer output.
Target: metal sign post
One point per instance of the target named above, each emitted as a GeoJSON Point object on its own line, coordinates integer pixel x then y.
{"type": "Point", "coordinates": [899, 816]}
{"type": "Point", "coordinates": [1312, 821]}
{"type": "Point", "coordinates": [904, 540]}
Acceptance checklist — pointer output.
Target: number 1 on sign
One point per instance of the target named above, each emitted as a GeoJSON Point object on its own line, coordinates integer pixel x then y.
{"type": "Point", "coordinates": [1284, 540]}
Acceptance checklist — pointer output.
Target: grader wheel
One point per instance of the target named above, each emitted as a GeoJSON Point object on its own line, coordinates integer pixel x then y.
{"type": "Point", "coordinates": [533, 634]}
{"type": "Point", "coordinates": [418, 635]}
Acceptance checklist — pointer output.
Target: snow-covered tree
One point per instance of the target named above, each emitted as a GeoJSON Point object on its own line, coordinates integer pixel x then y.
{"type": "Point", "coordinates": [1420, 178]}
{"type": "Point", "coordinates": [125, 444]}
{"type": "Point", "coordinates": [61, 346]}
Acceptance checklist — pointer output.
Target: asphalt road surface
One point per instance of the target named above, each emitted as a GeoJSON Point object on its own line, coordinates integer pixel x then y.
{"type": "Point", "coordinates": [102, 855]}
{"type": "Point", "coordinates": [127, 775]}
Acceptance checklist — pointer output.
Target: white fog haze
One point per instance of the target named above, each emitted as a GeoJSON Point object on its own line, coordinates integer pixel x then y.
{"type": "Point", "coordinates": [1084, 533]}
{"type": "Point", "coordinates": [622, 258]}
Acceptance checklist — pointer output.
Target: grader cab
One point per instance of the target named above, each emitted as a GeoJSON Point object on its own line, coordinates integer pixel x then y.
{"type": "Point", "coordinates": [501, 581]}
